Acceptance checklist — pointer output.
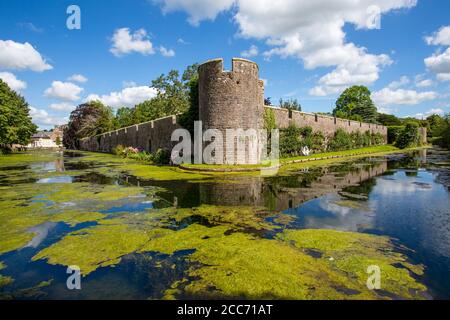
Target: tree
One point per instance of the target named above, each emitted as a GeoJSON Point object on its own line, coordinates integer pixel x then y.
{"type": "Point", "coordinates": [148, 110]}
{"type": "Point", "coordinates": [388, 120]}
{"type": "Point", "coordinates": [16, 126]}
{"type": "Point", "coordinates": [434, 125]}
{"type": "Point", "coordinates": [173, 92]}
{"type": "Point", "coordinates": [124, 117]}
{"type": "Point", "coordinates": [268, 101]}
{"type": "Point", "coordinates": [355, 103]}
{"type": "Point", "coordinates": [86, 120]}
{"type": "Point", "coordinates": [58, 141]}
{"type": "Point", "coordinates": [291, 104]}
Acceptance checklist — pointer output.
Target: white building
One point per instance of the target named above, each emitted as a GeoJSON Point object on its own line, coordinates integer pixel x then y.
{"type": "Point", "coordinates": [42, 140]}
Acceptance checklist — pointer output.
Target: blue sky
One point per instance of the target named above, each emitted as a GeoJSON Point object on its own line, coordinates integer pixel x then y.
{"type": "Point", "coordinates": [306, 50]}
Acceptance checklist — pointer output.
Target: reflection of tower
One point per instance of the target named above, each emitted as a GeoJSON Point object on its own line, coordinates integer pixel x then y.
{"type": "Point", "coordinates": [239, 193]}
{"type": "Point", "coordinates": [232, 100]}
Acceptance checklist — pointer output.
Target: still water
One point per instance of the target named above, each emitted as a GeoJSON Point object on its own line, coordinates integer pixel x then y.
{"type": "Point", "coordinates": [307, 233]}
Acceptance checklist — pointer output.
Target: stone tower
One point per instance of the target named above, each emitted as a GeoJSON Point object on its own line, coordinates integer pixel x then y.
{"type": "Point", "coordinates": [232, 100]}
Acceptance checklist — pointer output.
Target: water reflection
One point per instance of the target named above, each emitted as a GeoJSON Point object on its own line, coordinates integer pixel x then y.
{"type": "Point", "coordinates": [405, 197]}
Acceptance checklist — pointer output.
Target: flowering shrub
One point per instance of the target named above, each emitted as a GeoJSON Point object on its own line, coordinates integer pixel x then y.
{"type": "Point", "coordinates": [160, 157]}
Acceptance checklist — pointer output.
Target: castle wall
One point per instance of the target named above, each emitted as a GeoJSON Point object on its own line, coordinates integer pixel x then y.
{"type": "Point", "coordinates": [149, 136]}
{"type": "Point", "coordinates": [227, 100]}
{"type": "Point", "coordinates": [326, 124]}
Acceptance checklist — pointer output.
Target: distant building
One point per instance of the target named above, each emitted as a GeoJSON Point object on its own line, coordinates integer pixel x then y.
{"type": "Point", "coordinates": [47, 139]}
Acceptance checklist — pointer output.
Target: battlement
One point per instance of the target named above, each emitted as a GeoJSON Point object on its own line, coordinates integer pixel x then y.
{"type": "Point", "coordinates": [227, 100]}
{"type": "Point", "coordinates": [239, 66]}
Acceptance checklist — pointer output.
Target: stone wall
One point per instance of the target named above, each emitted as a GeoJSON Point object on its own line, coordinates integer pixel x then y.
{"type": "Point", "coordinates": [326, 124]}
{"type": "Point", "coordinates": [149, 136]}
{"type": "Point", "coordinates": [227, 100]}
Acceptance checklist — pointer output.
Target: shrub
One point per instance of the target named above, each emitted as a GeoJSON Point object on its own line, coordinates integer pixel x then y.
{"type": "Point", "coordinates": [293, 139]}
{"type": "Point", "coordinates": [341, 141]}
{"type": "Point", "coordinates": [162, 156]}
{"type": "Point", "coordinates": [409, 136]}
{"type": "Point", "coordinates": [393, 133]}
{"type": "Point", "coordinates": [119, 150]}
{"type": "Point", "coordinates": [377, 139]}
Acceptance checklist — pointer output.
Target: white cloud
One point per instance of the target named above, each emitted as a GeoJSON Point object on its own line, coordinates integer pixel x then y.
{"type": "Point", "coordinates": [429, 113]}
{"type": "Point", "coordinates": [403, 81]}
{"type": "Point", "coordinates": [197, 10]}
{"type": "Point", "coordinates": [11, 80]}
{"type": "Point", "coordinates": [43, 118]}
{"type": "Point", "coordinates": [168, 53]}
{"type": "Point", "coordinates": [439, 63]}
{"type": "Point", "coordinates": [78, 78]}
{"type": "Point", "coordinates": [129, 84]}
{"type": "Point", "coordinates": [251, 52]}
{"type": "Point", "coordinates": [63, 91]}
{"type": "Point", "coordinates": [62, 106]}
{"type": "Point", "coordinates": [387, 97]}
{"type": "Point", "coordinates": [124, 42]}
{"type": "Point", "coordinates": [441, 37]}
{"type": "Point", "coordinates": [312, 31]}
{"type": "Point", "coordinates": [424, 83]}
{"type": "Point", "coordinates": [15, 55]}
{"type": "Point", "coordinates": [182, 41]}
{"type": "Point", "coordinates": [128, 97]}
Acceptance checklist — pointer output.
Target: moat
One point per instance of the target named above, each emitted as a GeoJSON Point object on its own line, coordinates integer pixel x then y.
{"type": "Point", "coordinates": [145, 232]}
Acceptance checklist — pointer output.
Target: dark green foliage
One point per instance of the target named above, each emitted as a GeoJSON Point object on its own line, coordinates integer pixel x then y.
{"type": "Point", "coordinates": [434, 125]}
{"type": "Point", "coordinates": [442, 133]}
{"type": "Point", "coordinates": [393, 133]}
{"type": "Point", "coordinates": [124, 118]}
{"type": "Point", "coordinates": [161, 157]}
{"type": "Point", "coordinates": [269, 120]}
{"type": "Point", "coordinates": [268, 101]}
{"type": "Point", "coordinates": [409, 136]}
{"type": "Point", "coordinates": [293, 139]}
{"type": "Point", "coordinates": [88, 119]}
{"type": "Point", "coordinates": [16, 126]}
{"type": "Point", "coordinates": [355, 103]}
{"type": "Point", "coordinates": [187, 119]}
{"type": "Point", "coordinates": [345, 141]}
{"type": "Point", "coordinates": [341, 141]}
{"type": "Point", "coordinates": [388, 120]}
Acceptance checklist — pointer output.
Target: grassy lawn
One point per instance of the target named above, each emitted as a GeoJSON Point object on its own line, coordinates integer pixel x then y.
{"type": "Point", "coordinates": [345, 153]}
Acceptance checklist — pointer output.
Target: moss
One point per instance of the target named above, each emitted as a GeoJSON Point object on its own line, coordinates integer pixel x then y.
{"type": "Point", "coordinates": [26, 206]}
{"type": "Point", "coordinates": [112, 241]}
{"type": "Point", "coordinates": [358, 205]}
{"type": "Point", "coordinates": [23, 158]}
{"type": "Point", "coordinates": [230, 265]}
{"type": "Point", "coordinates": [352, 253]}
{"type": "Point", "coordinates": [4, 281]}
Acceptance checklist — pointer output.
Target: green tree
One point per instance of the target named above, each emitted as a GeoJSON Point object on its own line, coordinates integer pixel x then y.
{"type": "Point", "coordinates": [388, 120]}
{"type": "Point", "coordinates": [16, 126]}
{"type": "Point", "coordinates": [175, 95]}
{"type": "Point", "coordinates": [87, 120]}
{"type": "Point", "coordinates": [355, 103]}
{"type": "Point", "coordinates": [434, 125]}
{"type": "Point", "coordinates": [290, 104]}
{"type": "Point", "coordinates": [192, 114]}
{"type": "Point", "coordinates": [173, 91]}
{"type": "Point", "coordinates": [124, 117]}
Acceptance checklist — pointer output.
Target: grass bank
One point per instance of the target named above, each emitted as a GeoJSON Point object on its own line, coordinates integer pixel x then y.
{"type": "Point", "coordinates": [375, 150]}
